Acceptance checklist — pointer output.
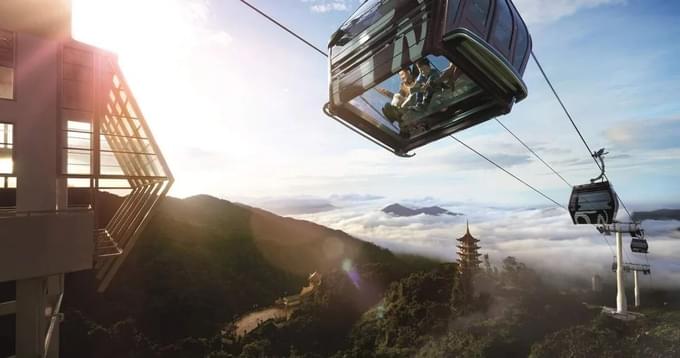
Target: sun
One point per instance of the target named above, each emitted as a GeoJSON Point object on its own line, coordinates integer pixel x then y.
{"type": "Point", "coordinates": [178, 62]}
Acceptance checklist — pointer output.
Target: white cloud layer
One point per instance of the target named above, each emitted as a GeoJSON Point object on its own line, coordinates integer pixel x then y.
{"type": "Point", "coordinates": [542, 237]}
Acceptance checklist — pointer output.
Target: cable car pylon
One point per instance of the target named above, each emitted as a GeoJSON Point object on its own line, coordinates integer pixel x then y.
{"type": "Point", "coordinates": [635, 230]}
{"type": "Point", "coordinates": [635, 268]}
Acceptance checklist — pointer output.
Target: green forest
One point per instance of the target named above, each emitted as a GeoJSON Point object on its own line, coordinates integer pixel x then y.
{"type": "Point", "coordinates": [202, 262]}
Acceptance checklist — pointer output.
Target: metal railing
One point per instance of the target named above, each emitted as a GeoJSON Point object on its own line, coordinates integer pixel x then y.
{"type": "Point", "coordinates": [15, 213]}
{"type": "Point", "coordinates": [56, 315]}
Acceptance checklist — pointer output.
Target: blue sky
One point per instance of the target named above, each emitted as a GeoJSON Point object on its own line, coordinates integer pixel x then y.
{"type": "Point", "coordinates": [236, 105]}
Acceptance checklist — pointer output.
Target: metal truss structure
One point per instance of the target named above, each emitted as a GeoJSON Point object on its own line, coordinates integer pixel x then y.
{"type": "Point", "coordinates": [108, 146]}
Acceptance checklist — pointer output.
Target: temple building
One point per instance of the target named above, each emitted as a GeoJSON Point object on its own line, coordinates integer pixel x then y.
{"type": "Point", "coordinates": [468, 266]}
{"type": "Point", "coordinates": [468, 252]}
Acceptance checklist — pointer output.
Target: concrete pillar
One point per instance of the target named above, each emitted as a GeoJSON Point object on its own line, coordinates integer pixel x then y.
{"type": "Point", "coordinates": [621, 304]}
{"type": "Point", "coordinates": [30, 317]}
{"type": "Point", "coordinates": [637, 289]}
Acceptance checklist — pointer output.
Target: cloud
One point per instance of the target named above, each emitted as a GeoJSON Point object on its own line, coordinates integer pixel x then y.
{"type": "Point", "coordinates": [354, 197]}
{"type": "Point", "coordinates": [324, 6]}
{"type": "Point", "coordinates": [542, 237]}
{"type": "Point", "coordinates": [548, 11]}
{"type": "Point", "coordinates": [648, 133]}
{"type": "Point", "coordinates": [294, 206]}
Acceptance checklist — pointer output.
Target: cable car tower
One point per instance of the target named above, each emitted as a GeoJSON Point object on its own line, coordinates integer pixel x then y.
{"type": "Point", "coordinates": [597, 203]}
{"type": "Point", "coordinates": [635, 268]}
{"type": "Point", "coordinates": [620, 267]}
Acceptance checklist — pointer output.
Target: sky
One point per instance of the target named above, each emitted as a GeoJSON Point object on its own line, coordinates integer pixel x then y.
{"type": "Point", "coordinates": [235, 104]}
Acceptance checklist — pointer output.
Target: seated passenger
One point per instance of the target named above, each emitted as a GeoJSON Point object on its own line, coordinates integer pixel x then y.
{"type": "Point", "coordinates": [425, 84]}
{"type": "Point", "coordinates": [404, 98]}
{"type": "Point", "coordinates": [449, 76]}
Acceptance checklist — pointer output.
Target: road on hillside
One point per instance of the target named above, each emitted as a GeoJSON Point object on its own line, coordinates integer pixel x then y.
{"type": "Point", "coordinates": [250, 321]}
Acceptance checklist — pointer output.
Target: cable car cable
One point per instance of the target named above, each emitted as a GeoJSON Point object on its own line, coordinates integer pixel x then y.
{"type": "Point", "coordinates": [285, 28]}
{"type": "Point", "coordinates": [533, 152]}
{"type": "Point", "coordinates": [318, 50]}
{"type": "Point", "coordinates": [571, 119]}
{"type": "Point", "coordinates": [507, 172]}
{"type": "Point", "coordinates": [522, 142]}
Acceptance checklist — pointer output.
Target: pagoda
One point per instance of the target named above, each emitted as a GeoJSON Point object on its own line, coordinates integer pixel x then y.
{"type": "Point", "coordinates": [468, 252]}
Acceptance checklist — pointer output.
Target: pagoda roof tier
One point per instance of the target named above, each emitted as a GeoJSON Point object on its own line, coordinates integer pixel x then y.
{"type": "Point", "coordinates": [468, 257]}
{"type": "Point", "coordinates": [467, 238]}
{"type": "Point", "coordinates": [468, 248]}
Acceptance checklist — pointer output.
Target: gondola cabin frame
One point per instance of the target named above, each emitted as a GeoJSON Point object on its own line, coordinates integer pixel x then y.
{"type": "Point", "coordinates": [593, 204]}
{"type": "Point", "coordinates": [485, 41]}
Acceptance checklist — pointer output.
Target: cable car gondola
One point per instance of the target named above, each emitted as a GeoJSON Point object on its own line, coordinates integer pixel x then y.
{"type": "Point", "coordinates": [594, 203]}
{"type": "Point", "coordinates": [639, 245]}
{"type": "Point", "coordinates": [638, 242]}
{"type": "Point", "coordinates": [405, 73]}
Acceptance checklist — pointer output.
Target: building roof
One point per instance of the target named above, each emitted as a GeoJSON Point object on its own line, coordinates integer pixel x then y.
{"type": "Point", "coordinates": [467, 238]}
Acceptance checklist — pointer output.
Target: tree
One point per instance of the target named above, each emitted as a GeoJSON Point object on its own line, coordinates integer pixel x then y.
{"type": "Point", "coordinates": [487, 265]}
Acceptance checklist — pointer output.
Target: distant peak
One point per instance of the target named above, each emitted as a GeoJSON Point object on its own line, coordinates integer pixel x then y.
{"type": "Point", "coordinates": [401, 210]}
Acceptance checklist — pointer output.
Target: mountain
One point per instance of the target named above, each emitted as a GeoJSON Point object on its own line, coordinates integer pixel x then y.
{"type": "Point", "coordinates": [400, 210]}
{"type": "Point", "coordinates": [203, 261]}
{"type": "Point", "coordinates": [662, 214]}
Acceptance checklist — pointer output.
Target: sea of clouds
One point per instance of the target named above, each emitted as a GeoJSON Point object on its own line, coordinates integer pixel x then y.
{"type": "Point", "coordinates": [542, 237]}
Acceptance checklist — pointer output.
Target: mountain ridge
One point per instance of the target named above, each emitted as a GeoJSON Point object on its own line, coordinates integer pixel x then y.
{"type": "Point", "coordinates": [660, 214]}
{"type": "Point", "coordinates": [397, 209]}
{"type": "Point", "coordinates": [202, 260]}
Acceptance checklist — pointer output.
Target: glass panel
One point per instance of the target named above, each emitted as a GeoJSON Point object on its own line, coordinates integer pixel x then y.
{"type": "Point", "coordinates": [421, 97]}
{"type": "Point", "coordinates": [78, 140]}
{"type": "Point", "coordinates": [502, 31]}
{"type": "Point", "coordinates": [78, 182]}
{"type": "Point", "coordinates": [78, 151]}
{"type": "Point", "coordinates": [6, 83]}
{"type": "Point", "coordinates": [372, 17]}
{"type": "Point", "coordinates": [78, 161]}
{"type": "Point", "coordinates": [366, 10]}
{"type": "Point", "coordinates": [114, 183]}
{"type": "Point", "coordinates": [599, 200]}
{"type": "Point", "coordinates": [6, 148]}
{"type": "Point", "coordinates": [478, 11]}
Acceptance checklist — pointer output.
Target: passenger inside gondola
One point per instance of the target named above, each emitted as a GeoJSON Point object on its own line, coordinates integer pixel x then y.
{"type": "Point", "coordinates": [400, 100]}
{"type": "Point", "coordinates": [424, 92]}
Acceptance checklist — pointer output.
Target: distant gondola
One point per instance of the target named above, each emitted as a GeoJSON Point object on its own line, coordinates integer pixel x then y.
{"type": "Point", "coordinates": [468, 57]}
{"type": "Point", "coordinates": [639, 245]}
{"type": "Point", "coordinates": [594, 203]}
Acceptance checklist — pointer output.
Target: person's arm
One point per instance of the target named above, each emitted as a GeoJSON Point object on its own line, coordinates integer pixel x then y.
{"type": "Point", "coordinates": [384, 92]}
